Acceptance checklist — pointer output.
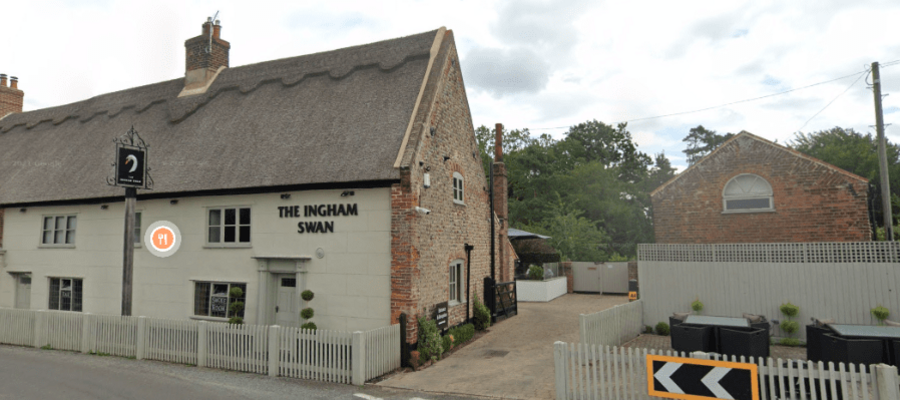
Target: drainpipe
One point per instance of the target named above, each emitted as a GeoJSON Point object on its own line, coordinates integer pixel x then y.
{"type": "Point", "coordinates": [468, 248]}
{"type": "Point", "coordinates": [493, 234]}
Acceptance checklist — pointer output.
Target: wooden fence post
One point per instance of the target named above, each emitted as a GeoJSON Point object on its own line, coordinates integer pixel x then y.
{"type": "Point", "coordinates": [886, 379]}
{"type": "Point", "coordinates": [40, 317]}
{"type": "Point", "coordinates": [202, 342]}
{"type": "Point", "coordinates": [559, 361]}
{"type": "Point", "coordinates": [274, 350]}
{"type": "Point", "coordinates": [358, 349]}
{"type": "Point", "coordinates": [86, 333]}
{"type": "Point", "coordinates": [140, 338]}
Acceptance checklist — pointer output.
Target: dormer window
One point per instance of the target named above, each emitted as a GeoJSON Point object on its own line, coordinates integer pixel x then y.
{"type": "Point", "coordinates": [458, 188]}
{"type": "Point", "coordinates": [747, 193]}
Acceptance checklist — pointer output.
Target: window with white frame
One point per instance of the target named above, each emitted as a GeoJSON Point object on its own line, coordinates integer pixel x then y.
{"type": "Point", "coordinates": [65, 294]}
{"type": "Point", "coordinates": [457, 282]}
{"type": "Point", "coordinates": [458, 188]}
{"type": "Point", "coordinates": [213, 299]}
{"type": "Point", "coordinates": [58, 230]}
{"type": "Point", "coordinates": [228, 226]}
{"type": "Point", "coordinates": [747, 193]}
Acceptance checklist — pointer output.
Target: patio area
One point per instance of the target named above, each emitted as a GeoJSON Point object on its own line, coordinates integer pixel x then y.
{"type": "Point", "coordinates": [651, 341]}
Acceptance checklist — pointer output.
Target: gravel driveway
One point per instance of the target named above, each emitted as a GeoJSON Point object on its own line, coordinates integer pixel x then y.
{"type": "Point", "coordinates": [515, 359]}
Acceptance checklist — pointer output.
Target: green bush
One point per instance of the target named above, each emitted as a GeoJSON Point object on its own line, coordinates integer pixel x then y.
{"type": "Point", "coordinates": [307, 313]}
{"type": "Point", "coordinates": [482, 315]}
{"type": "Point", "coordinates": [697, 306]}
{"type": "Point", "coordinates": [430, 342]}
{"type": "Point", "coordinates": [535, 273]}
{"type": "Point", "coordinates": [307, 295]}
{"type": "Point", "coordinates": [789, 310]}
{"type": "Point", "coordinates": [309, 325]}
{"type": "Point", "coordinates": [648, 329]}
{"type": "Point", "coordinates": [462, 334]}
{"type": "Point", "coordinates": [662, 329]}
{"type": "Point", "coordinates": [236, 306]}
{"type": "Point", "coordinates": [790, 327]}
{"type": "Point", "coordinates": [447, 342]}
{"type": "Point", "coordinates": [790, 342]}
{"type": "Point", "coordinates": [880, 313]}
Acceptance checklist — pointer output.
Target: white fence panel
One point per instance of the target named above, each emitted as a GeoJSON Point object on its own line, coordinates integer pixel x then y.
{"type": "Point", "coordinates": [113, 335]}
{"type": "Point", "coordinates": [612, 326]}
{"type": "Point", "coordinates": [382, 350]}
{"type": "Point", "coordinates": [604, 372]}
{"type": "Point", "coordinates": [315, 354]}
{"type": "Point", "coordinates": [60, 330]}
{"type": "Point", "coordinates": [171, 341]}
{"type": "Point", "coordinates": [841, 281]}
{"type": "Point", "coordinates": [17, 327]}
{"type": "Point", "coordinates": [238, 347]}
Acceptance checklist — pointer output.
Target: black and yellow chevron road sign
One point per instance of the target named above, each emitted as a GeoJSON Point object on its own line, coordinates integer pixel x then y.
{"type": "Point", "coordinates": [693, 379]}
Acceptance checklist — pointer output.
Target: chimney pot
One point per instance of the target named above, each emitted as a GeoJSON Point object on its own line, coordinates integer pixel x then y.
{"type": "Point", "coordinates": [14, 82]}
{"type": "Point", "coordinates": [3, 80]}
{"type": "Point", "coordinates": [217, 29]}
{"type": "Point", "coordinates": [498, 143]}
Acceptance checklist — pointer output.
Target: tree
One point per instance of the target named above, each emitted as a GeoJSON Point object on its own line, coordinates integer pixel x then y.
{"type": "Point", "coordinates": [854, 152]}
{"type": "Point", "coordinates": [701, 142]}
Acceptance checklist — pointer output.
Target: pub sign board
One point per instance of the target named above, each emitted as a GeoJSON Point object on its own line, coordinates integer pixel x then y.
{"type": "Point", "coordinates": [440, 315]}
{"type": "Point", "coordinates": [131, 166]}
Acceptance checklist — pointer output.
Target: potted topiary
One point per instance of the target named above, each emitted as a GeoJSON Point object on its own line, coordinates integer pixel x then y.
{"type": "Point", "coordinates": [697, 306]}
{"type": "Point", "coordinates": [307, 313]}
{"type": "Point", "coordinates": [236, 306]}
{"type": "Point", "coordinates": [881, 314]}
{"type": "Point", "coordinates": [790, 326]}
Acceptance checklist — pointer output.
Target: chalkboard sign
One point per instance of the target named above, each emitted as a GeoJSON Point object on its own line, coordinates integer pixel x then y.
{"type": "Point", "coordinates": [440, 315]}
{"type": "Point", "coordinates": [218, 304]}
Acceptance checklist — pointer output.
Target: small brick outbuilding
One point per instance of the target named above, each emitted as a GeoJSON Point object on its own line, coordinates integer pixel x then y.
{"type": "Point", "coordinates": [750, 190]}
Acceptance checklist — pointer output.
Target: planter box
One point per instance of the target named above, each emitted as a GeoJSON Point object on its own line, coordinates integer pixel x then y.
{"type": "Point", "coordinates": [541, 291]}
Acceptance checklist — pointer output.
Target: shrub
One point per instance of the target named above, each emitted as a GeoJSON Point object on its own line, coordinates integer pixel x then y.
{"type": "Point", "coordinates": [430, 342]}
{"type": "Point", "coordinates": [662, 329]}
{"type": "Point", "coordinates": [790, 342]}
{"type": "Point", "coordinates": [482, 315]}
{"type": "Point", "coordinates": [790, 327]}
{"type": "Point", "coordinates": [881, 314]}
{"type": "Point", "coordinates": [447, 341]}
{"type": "Point", "coordinates": [462, 334]}
{"type": "Point", "coordinates": [307, 313]}
{"type": "Point", "coordinates": [307, 295]}
{"type": "Point", "coordinates": [309, 325]}
{"type": "Point", "coordinates": [648, 329]}
{"type": "Point", "coordinates": [697, 306]}
{"type": "Point", "coordinates": [535, 273]}
{"type": "Point", "coordinates": [236, 306]}
{"type": "Point", "coordinates": [789, 310]}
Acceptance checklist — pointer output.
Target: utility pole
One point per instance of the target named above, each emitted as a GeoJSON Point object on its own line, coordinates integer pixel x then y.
{"type": "Point", "coordinates": [128, 261]}
{"type": "Point", "coordinates": [882, 157]}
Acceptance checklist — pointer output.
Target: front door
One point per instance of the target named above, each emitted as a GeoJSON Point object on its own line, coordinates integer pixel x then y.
{"type": "Point", "coordinates": [286, 312]}
{"type": "Point", "coordinates": [23, 291]}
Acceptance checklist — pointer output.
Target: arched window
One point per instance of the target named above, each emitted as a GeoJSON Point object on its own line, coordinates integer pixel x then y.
{"type": "Point", "coordinates": [458, 188]}
{"type": "Point", "coordinates": [747, 193]}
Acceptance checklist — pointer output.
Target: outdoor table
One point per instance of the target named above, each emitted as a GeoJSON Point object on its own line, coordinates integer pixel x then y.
{"type": "Point", "coordinates": [888, 335]}
{"type": "Point", "coordinates": [716, 323]}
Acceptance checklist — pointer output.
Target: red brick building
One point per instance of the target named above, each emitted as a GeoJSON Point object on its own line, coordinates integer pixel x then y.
{"type": "Point", "coordinates": [750, 190]}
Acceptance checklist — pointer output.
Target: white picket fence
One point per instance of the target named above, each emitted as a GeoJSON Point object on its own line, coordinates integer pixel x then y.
{"type": "Point", "coordinates": [607, 372]}
{"type": "Point", "coordinates": [612, 326]}
{"type": "Point", "coordinates": [331, 356]}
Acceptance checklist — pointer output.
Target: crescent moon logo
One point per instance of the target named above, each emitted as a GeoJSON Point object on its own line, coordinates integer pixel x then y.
{"type": "Point", "coordinates": [131, 158]}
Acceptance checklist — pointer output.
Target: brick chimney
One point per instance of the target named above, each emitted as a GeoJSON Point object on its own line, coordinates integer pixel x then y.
{"type": "Point", "coordinates": [506, 269]}
{"type": "Point", "coordinates": [11, 98]}
{"type": "Point", "coordinates": [205, 55]}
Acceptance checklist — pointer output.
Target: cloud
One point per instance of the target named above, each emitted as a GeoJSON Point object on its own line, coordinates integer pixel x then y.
{"type": "Point", "coordinates": [506, 71]}
{"type": "Point", "coordinates": [540, 25]}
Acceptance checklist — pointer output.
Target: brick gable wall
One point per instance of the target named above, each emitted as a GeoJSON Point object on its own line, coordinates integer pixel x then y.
{"type": "Point", "coordinates": [423, 246]}
{"type": "Point", "coordinates": [11, 100]}
{"type": "Point", "coordinates": [813, 203]}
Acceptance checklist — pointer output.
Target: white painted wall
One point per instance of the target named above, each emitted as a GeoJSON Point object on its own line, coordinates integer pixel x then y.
{"type": "Point", "coordinates": [351, 282]}
{"type": "Point", "coordinates": [541, 291]}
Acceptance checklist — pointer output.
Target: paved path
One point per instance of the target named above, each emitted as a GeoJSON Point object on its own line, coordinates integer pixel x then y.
{"type": "Point", "coordinates": [515, 359]}
{"type": "Point", "coordinates": [28, 373]}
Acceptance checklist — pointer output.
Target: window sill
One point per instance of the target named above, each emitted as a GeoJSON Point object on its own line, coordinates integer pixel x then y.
{"type": "Point", "coordinates": [56, 246]}
{"type": "Point", "coordinates": [210, 319]}
{"type": "Point", "coordinates": [454, 303]}
{"type": "Point", "coordinates": [228, 246]}
{"type": "Point", "coordinates": [749, 211]}
{"type": "Point", "coordinates": [459, 203]}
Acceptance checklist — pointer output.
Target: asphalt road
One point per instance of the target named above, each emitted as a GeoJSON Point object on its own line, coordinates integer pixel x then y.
{"type": "Point", "coordinates": [28, 373]}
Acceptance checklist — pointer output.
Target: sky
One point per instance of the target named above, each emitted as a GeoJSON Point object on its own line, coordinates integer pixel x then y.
{"type": "Point", "coordinates": [542, 65]}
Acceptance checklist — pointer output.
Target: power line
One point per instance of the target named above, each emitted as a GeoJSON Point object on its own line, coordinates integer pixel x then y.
{"type": "Point", "coordinates": [895, 62]}
{"type": "Point", "coordinates": [832, 101]}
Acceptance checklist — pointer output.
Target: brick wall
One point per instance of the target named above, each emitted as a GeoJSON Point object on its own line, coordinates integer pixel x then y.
{"type": "Point", "coordinates": [813, 201]}
{"type": "Point", "coordinates": [196, 56]}
{"type": "Point", "coordinates": [11, 99]}
{"type": "Point", "coordinates": [423, 246]}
